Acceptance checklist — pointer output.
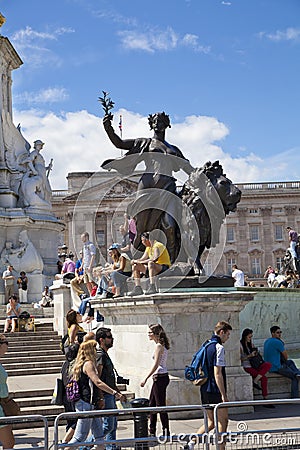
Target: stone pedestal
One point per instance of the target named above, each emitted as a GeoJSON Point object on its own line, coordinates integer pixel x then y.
{"type": "Point", "coordinates": [62, 304]}
{"type": "Point", "coordinates": [188, 319]}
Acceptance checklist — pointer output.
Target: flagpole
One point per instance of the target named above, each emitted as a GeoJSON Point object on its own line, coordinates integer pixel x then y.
{"type": "Point", "coordinates": [121, 129]}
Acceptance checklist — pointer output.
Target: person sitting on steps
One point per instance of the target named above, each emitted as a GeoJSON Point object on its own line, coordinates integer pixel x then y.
{"type": "Point", "coordinates": [155, 260]}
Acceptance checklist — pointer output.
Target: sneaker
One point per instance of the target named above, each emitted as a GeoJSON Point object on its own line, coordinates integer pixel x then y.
{"type": "Point", "coordinates": [151, 290]}
{"type": "Point", "coordinates": [136, 291]}
{"type": "Point", "coordinates": [256, 386]}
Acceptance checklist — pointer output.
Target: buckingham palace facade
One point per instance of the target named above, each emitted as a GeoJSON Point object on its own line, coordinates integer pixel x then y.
{"type": "Point", "coordinates": [253, 237]}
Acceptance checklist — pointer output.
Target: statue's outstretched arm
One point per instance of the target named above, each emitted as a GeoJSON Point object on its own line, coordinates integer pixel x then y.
{"type": "Point", "coordinates": [115, 139]}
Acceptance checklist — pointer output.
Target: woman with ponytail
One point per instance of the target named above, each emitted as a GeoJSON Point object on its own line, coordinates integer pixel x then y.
{"type": "Point", "coordinates": [160, 377]}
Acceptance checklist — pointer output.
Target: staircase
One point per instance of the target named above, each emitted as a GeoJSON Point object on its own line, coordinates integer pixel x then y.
{"type": "Point", "coordinates": [33, 362]}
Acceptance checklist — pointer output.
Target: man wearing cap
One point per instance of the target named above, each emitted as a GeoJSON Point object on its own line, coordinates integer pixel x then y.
{"type": "Point", "coordinates": [155, 260]}
{"type": "Point", "coordinates": [8, 278]}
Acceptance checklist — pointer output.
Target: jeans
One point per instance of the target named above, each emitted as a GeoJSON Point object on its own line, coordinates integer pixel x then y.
{"type": "Point", "coordinates": [289, 370]}
{"type": "Point", "coordinates": [103, 285]}
{"type": "Point", "coordinates": [109, 422]}
{"type": "Point", "coordinates": [119, 277]}
{"type": "Point", "coordinates": [293, 249]}
{"type": "Point", "coordinates": [84, 426]}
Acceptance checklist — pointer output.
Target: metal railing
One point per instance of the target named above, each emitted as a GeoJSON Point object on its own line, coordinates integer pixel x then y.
{"type": "Point", "coordinates": [243, 438]}
{"type": "Point", "coordinates": [141, 443]}
{"type": "Point", "coordinates": [11, 420]}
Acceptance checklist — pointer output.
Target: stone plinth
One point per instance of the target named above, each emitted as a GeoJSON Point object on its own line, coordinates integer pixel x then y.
{"type": "Point", "coordinates": [273, 306]}
{"type": "Point", "coordinates": [62, 303]}
{"type": "Point", "coordinates": [189, 319]}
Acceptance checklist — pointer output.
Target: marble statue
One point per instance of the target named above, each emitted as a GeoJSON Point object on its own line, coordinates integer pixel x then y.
{"type": "Point", "coordinates": [24, 257]}
{"type": "Point", "coordinates": [35, 189]}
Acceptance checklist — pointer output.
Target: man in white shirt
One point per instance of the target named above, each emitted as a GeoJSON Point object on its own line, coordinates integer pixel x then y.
{"type": "Point", "coordinates": [8, 278]}
{"type": "Point", "coordinates": [238, 276]}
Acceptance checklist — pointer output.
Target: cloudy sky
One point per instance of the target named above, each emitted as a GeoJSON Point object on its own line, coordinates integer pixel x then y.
{"type": "Point", "coordinates": [227, 73]}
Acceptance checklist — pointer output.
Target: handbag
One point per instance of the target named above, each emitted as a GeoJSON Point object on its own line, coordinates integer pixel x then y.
{"type": "Point", "coordinates": [256, 361]}
{"type": "Point", "coordinates": [72, 390]}
{"type": "Point", "coordinates": [58, 393]}
{"type": "Point", "coordinates": [9, 406]}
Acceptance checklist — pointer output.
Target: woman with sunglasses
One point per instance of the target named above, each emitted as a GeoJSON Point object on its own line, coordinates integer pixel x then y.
{"type": "Point", "coordinates": [160, 377]}
{"type": "Point", "coordinates": [86, 374]}
{"type": "Point", "coordinates": [6, 435]}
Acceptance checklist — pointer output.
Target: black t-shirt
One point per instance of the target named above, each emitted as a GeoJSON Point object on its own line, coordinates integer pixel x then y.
{"type": "Point", "coordinates": [108, 374]}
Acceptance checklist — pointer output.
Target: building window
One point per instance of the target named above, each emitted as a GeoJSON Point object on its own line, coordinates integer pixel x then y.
{"type": "Point", "coordinates": [100, 234]}
{"type": "Point", "coordinates": [278, 232]}
{"type": "Point", "coordinates": [254, 233]}
{"type": "Point", "coordinates": [230, 234]}
{"type": "Point", "coordinates": [253, 211]}
{"type": "Point", "coordinates": [255, 266]}
{"type": "Point", "coordinates": [279, 262]}
{"type": "Point", "coordinates": [230, 262]}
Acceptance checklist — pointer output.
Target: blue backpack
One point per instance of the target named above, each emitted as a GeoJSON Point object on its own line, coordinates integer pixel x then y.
{"type": "Point", "coordinates": [197, 372]}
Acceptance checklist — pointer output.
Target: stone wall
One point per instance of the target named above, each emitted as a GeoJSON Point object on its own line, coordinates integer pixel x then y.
{"type": "Point", "coordinates": [273, 306]}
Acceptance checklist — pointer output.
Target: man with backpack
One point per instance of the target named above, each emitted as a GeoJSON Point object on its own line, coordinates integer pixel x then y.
{"type": "Point", "coordinates": [214, 389]}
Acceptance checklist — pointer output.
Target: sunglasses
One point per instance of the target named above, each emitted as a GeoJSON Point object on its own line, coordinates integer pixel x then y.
{"type": "Point", "coordinates": [109, 337]}
{"type": "Point", "coordinates": [4, 342]}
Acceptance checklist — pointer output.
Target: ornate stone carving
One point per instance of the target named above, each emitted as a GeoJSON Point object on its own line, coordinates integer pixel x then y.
{"type": "Point", "coordinates": [25, 257]}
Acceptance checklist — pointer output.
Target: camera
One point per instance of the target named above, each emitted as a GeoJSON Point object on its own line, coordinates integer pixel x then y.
{"type": "Point", "coordinates": [80, 336]}
{"type": "Point", "coordinates": [121, 380]}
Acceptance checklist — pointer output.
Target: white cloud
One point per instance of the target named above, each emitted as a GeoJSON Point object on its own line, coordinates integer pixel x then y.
{"type": "Point", "coordinates": [226, 3]}
{"type": "Point", "coordinates": [49, 95]}
{"type": "Point", "coordinates": [77, 142]}
{"type": "Point", "coordinates": [30, 44]}
{"type": "Point", "coordinates": [153, 40]}
{"type": "Point", "coordinates": [290, 34]}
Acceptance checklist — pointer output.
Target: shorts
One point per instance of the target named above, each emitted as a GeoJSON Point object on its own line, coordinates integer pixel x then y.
{"type": "Point", "coordinates": [87, 277]}
{"type": "Point", "coordinates": [164, 267]}
{"type": "Point", "coordinates": [210, 398]}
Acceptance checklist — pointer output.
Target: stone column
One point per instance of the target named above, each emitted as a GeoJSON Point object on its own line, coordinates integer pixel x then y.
{"type": "Point", "coordinates": [62, 304]}
{"type": "Point", "coordinates": [188, 319]}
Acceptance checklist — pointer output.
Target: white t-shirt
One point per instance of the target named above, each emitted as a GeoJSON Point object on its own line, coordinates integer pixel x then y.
{"type": "Point", "coordinates": [238, 275]}
{"type": "Point", "coordinates": [220, 355]}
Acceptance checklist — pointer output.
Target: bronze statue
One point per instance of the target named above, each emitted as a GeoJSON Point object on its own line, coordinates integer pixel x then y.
{"type": "Point", "coordinates": [158, 205]}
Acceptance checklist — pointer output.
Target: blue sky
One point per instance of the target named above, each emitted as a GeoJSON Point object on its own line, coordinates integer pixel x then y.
{"type": "Point", "coordinates": [227, 73]}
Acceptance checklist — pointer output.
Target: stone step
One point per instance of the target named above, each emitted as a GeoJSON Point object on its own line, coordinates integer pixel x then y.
{"type": "Point", "coordinates": [35, 393]}
{"type": "Point", "coordinates": [37, 353]}
{"type": "Point", "coordinates": [27, 339]}
{"type": "Point", "coordinates": [38, 333]}
{"type": "Point", "coordinates": [33, 371]}
{"type": "Point", "coordinates": [278, 387]}
{"type": "Point", "coordinates": [46, 346]}
{"type": "Point", "coordinates": [58, 357]}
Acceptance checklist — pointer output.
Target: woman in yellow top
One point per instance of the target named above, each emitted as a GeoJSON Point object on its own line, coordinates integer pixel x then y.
{"type": "Point", "coordinates": [73, 320]}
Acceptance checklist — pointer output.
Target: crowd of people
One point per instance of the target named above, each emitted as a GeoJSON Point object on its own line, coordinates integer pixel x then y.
{"type": "Point", "coordinates": [88, 361]}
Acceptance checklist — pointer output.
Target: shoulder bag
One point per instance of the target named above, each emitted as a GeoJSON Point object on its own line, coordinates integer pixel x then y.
{"type": "Point", "coordinates": [256, 361]}
{"type": "Point", "coordinates": [9, 406]}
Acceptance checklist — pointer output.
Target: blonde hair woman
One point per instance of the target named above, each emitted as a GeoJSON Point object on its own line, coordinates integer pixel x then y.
{"type": "Point", "coordinates": [6, 435]}
{"type": "Point", "coordinates": [84, 372]}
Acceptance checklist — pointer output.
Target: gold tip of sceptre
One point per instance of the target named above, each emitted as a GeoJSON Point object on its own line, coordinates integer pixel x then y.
{"type": "Point", "coordinates": [2, 20]}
